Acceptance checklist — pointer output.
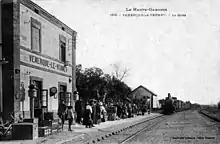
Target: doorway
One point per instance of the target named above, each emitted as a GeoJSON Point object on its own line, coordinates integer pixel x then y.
{"type": "Point", "coordinates": [38, 82]}
{"type": "Point", "coordinates": [62, 89]}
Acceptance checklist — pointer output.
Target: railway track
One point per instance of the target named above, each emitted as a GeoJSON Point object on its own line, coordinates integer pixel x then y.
{"type": "Point", "coordinates": [123, 135]}
{"type": "Point", "coordinates": [209, 116]}
{"type": "Point", "coordinates": [148, 127]}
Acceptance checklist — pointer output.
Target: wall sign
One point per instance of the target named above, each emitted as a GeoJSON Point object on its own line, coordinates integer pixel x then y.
{"type": "Point", "coordinates": [47, 63]}
{"type": "Point", "coordinates": [53, 91]}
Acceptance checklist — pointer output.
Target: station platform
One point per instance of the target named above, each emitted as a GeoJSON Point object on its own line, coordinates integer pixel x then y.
{"type": "Point", "coordinates": [79, 131]}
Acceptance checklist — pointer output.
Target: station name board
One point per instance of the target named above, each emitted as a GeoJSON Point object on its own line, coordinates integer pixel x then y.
{"type": "Point", "coordinates": [47, 63]}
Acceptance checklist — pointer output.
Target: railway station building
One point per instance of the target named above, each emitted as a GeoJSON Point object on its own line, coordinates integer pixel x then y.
{"type": "Point", "coordinates": [145, 95]}
{"type": "Point", "coordinates": [37, 49]}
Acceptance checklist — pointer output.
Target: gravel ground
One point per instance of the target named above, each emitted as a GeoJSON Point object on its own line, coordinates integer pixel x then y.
{"type": "Point", "coordinates": [185, 127]}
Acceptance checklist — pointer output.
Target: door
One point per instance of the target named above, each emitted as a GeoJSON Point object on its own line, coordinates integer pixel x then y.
{"type": "Point", "coordinates": [38, 99]}
{"type": "Point", "coordinates": [62, 91]}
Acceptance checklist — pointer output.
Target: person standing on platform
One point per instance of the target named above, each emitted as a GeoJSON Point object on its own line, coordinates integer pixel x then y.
{"type": "Point", "coordinates": [87, 120]}
{"type": "Point", "coordinates": [98, 112]}
{"type": "Point", "coordinates": [78, 109]}
{"type": "Point", "coordinates": [103, 112]}
{"type": "Point", "coordinates": [70, 116]}
{"type": "Point", "coordinates": [62, 111]}
{"type": "Point", "coordinates": [119, 110]}
{"type": "Point", "coordinates": [93, 104]}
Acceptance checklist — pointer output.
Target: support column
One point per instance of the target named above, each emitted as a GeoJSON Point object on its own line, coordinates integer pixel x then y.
{"type": "Point", "coordinates": [73, 100]}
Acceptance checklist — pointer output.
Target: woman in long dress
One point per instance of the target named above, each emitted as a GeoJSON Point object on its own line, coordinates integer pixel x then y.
{"type": "Point", "coordinates": [87, 121]}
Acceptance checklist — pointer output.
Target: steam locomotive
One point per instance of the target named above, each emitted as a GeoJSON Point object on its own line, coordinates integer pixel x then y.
{"type": "Point", "coordinates": [169, 106]}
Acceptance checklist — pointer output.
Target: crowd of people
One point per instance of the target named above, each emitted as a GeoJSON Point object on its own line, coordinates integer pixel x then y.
{"type": "Point", "coordinates": [94, 112]}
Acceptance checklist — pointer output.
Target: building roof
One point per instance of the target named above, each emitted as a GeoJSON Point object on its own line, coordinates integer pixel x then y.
{"type": "Point", "coordinates": [42, 12]}
{"type": "Point", "coordinates": [145, 89]}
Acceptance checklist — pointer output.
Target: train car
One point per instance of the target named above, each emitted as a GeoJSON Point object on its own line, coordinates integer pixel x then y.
{"type": "Point", "coordinates": [179, 104]}
{"type": "Point", "coordinates": [175, 102]}
{"type": "Point", "coordinates": [188, 105]}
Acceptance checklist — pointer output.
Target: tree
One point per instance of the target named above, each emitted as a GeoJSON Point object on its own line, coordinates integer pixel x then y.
{"type": "Point", "coordinates": [94, 83]}
{"type": "Point", "coordinates": [81, 82]}
{"type": "Point", "coordinates": [219, 105]}
{"type": "Point", "coordinates": [119, 72]}
{"type": "Point", "coordinates": [93, 80]}
{"type": "Point", "coordinates": [79, 74]}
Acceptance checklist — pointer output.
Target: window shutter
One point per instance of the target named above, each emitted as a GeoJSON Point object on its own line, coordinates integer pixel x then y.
{"type": "Point", "coordinates": [62, 47]}
{"type": "Point", "coordinates": [35, 35]}
{"type": "Point", "coordinates": [44, 95]}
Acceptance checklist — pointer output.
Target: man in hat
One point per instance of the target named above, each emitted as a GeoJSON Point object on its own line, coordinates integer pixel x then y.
{"type": "Point", "coordinates": [78, 109]}
{"type": "Point", "coordinates": [93, 105]}
{"type": "Point", "coordinates": [98, 112]}
{"type": "Point", "coordinates": [62, 111]}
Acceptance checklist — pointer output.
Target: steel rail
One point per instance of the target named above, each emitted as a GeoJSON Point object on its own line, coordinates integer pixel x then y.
{"type": "Point", "coordinates": [209, 116]}
{"type": "Point", "coordinates": [142, 130]}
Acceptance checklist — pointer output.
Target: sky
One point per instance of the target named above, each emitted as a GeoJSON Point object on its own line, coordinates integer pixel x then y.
{"type": "Point", "coordinates": [167, 54]}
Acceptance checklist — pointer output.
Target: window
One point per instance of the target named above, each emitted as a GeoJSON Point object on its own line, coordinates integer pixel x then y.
{"type": "Point", "coordinates": [35, 35]}
{"type": "Point", "coordinates": [62, 48]}
{"type": "Point", "coordinates": [63, 94]}
{"type": "Point", "coordinates": [66, 96]}
{"type": "Point", "coordinates": [62, 91]}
